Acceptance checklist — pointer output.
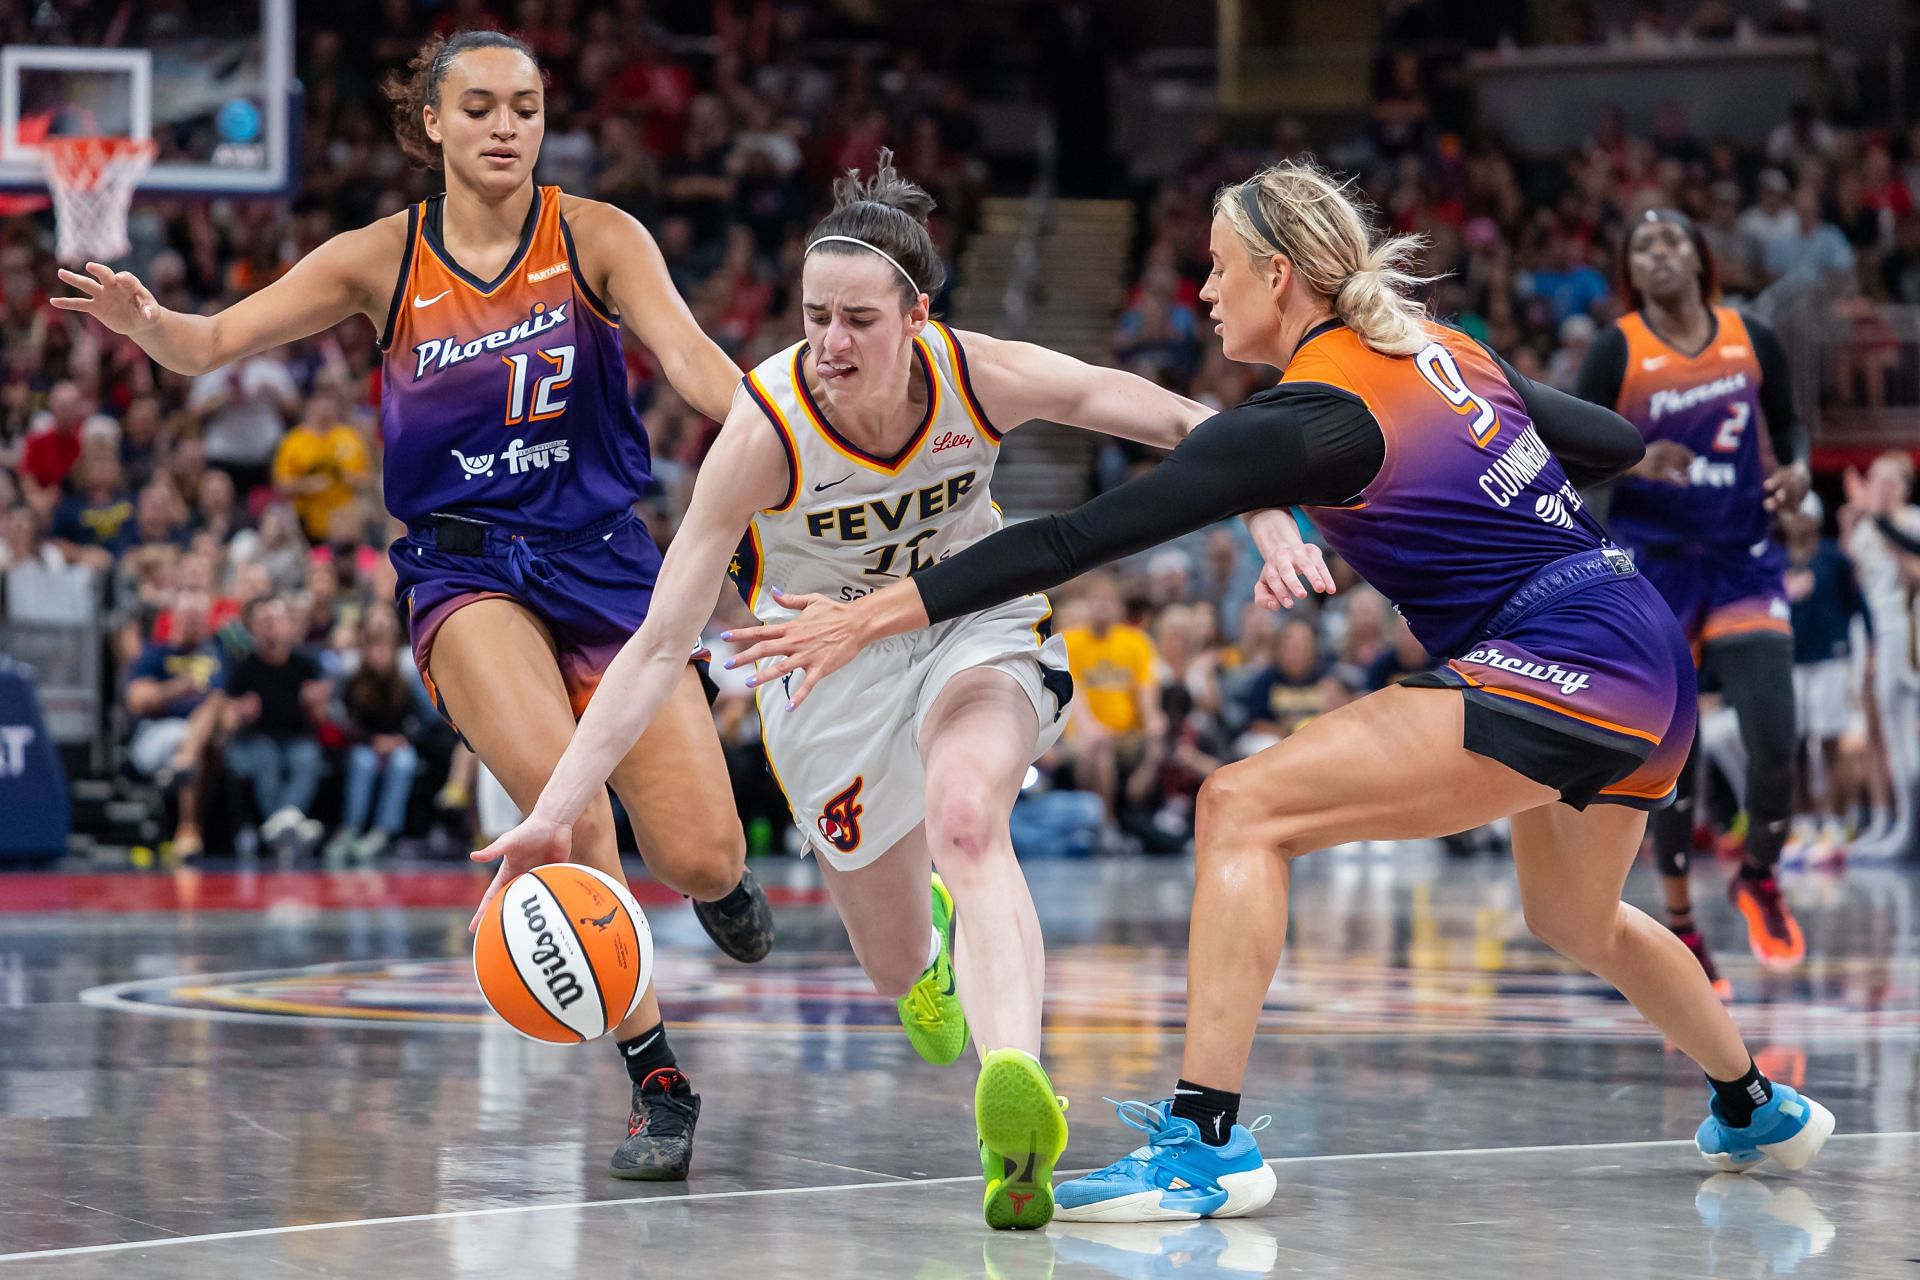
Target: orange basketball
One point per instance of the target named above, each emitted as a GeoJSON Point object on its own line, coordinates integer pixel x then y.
{"type": "Point", "coordinates": [563, 953]}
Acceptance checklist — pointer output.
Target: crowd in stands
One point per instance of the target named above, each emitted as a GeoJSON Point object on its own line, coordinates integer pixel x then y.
{"type": "Point", "coordinates": [233, 528]}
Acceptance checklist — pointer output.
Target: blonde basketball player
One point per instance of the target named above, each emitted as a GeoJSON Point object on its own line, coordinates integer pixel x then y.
{"type": "Point", "coordinates": [849, 461]}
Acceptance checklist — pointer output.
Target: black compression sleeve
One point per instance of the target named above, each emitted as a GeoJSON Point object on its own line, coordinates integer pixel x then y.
{"type": "Point", "coordinates": [1604, 369]}
{"type": "Point", "coordinates": [1296, 445]}
{"type": "Point", "coordinates": [1593, 443]}
{"type": "Point", "coordinates": [1776, 395]}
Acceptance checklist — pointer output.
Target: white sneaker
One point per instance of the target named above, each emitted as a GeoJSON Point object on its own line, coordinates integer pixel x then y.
{"type": "Point", "coordinates": [279, 822]}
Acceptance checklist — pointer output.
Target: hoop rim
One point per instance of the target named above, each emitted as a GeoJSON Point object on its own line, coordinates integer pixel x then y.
{"type": "Point", "coordinates": [79, 162]}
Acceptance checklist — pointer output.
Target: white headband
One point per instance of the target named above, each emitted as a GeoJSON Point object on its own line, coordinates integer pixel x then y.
{"type": "Point", "coordinates": [864, 245]}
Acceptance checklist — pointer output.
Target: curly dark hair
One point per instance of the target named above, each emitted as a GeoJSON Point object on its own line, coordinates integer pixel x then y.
{"type": "Point", "coordinates": [419, 86]}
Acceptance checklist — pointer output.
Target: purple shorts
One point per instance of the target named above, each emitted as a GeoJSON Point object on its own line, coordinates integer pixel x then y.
{"type": "Point", "coordinates": [1592, 693]}
{"type": "Point", "coordinates": [1719, 592]}
{"type": "Point", "coordinates": [590, 588]}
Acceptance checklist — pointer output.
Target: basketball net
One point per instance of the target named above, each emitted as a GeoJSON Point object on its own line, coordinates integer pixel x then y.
{"type": "Point", "coordinates": [93, 181]}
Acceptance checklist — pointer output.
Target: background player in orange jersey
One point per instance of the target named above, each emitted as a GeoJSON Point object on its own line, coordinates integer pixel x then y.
{"type": "Point", "coordinates": [514, 454]}
{"type": "Point", "coordinates": [1708, 390]}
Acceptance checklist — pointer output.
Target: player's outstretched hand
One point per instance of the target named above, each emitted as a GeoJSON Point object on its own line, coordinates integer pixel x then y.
{"type": "Point", "coordinates": [1293, 573]}
{"type": "Point", "coordinates": [534, 843]}
{"type": "Point", "coordinates": [116, 299]}
{"type": "Point", "coordinates": [822, 638]}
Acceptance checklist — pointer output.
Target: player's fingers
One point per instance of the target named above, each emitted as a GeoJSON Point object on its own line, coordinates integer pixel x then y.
{"type": "Point", "coordinates": [796, 602]}
{"type": "Point", "coordinates": [86, 284]}
{"type": "Point", "coordinates": [800, 694]}
{"type": "Point", "coordinates": [773, 674]}
{"type": "Point", "coordinates": [1318, 571]}
{"type": "Point", "coordinates": [771, 647]}
{"type": "Point", "coordinates": [1290, 579]}
{"type": "Point", "coordinates": [71, 304]}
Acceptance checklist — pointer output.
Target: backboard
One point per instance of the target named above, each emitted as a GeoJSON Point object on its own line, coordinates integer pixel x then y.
{"type": "Point", "coordinates": [211, 81]}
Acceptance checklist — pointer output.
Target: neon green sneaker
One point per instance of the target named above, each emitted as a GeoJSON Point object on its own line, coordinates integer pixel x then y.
{"type": "Point", "coordinates": [931, 1011]}
{"type": "Point", "coordinates": [1023, 1131]}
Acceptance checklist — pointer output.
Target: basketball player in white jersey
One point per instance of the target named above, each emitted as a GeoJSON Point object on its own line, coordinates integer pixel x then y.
{"type": "Point", "coordinates": [847, 462]}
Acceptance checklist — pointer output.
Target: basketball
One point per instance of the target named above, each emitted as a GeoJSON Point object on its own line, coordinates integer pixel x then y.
{"type": "Point", "coordinates": [564, 954]}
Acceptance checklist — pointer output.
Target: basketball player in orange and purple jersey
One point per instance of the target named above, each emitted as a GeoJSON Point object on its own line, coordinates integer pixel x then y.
{"type": "Point", "coordinates": [1451, 482]}
{"type": "Point", "coordinates": [514, 455]}
{"type": "Point", "coordinates": [1709, 391]}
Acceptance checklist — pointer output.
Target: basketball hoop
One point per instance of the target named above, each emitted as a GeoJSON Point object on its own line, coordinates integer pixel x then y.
{"type": "Point", "coordinates": [92, 181]}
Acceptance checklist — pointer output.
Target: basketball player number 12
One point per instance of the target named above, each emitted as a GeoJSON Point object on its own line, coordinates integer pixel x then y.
{"type": "Point", "coordinates": [544, 405]}
{"type": "Point", "coordinates": [1437, 366]}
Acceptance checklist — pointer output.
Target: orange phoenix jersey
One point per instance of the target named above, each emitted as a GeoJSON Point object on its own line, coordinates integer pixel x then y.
{"type": "Point", "coordinates": [505, 400]}
{"type": "Point", "coordinates": [1469, 503]}
{"type": "Point", "coordinates": [1710, 403]}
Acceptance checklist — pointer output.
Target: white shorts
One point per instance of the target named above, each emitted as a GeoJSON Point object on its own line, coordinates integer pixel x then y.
{"type": "Point", "coordinates": [1821, 698]}
{"type": "Point", "coordinates": [849, 757]}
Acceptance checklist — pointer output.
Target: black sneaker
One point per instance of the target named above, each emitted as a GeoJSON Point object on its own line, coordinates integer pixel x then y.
{"type": "Point", "coordinates": [744, 932]}
{"type": "Point", "coordinates": [659, 1145]}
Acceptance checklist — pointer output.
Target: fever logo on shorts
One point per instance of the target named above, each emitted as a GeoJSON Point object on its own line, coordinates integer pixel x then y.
{"type": "Point", "coordinates": [840, 823]}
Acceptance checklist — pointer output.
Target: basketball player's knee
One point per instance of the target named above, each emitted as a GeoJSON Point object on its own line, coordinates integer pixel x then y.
{"type": "Point", "coordinates": [706, 868]}
{"type": "Point", "coordinates": [961, 824]}
{"type": "Point", "coordinates": [1237, 809]}
{"type": "Point", "coordinates": [1580, 936]}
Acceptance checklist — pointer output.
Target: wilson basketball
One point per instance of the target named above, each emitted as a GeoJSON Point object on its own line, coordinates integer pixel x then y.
{"type": "Point", "coordinates": [563, 954]}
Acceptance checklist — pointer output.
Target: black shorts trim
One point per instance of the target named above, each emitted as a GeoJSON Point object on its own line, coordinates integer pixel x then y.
{"type": "Point", "coordinates": [1536, 744]}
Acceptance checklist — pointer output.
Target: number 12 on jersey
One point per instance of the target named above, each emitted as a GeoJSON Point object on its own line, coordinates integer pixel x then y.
{"type": "Point", "coordinates": [544, 386]}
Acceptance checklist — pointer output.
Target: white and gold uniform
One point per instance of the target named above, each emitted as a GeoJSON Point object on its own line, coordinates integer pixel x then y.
{"type": "Point", "coordinates": [849, 757]}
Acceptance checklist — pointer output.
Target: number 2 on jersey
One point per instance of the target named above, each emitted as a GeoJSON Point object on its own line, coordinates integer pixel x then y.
{"type": "Point", "coordinates": [1437, 366]}
{"type": "Point", "coordinates": [544, 405]}
{"type": "Point", "coordinates": [1728, 438]}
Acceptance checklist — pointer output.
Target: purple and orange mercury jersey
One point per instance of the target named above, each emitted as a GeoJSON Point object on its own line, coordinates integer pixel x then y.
{"type": "Point", "coordinates": [506, 400]}
{"type": "Point", "coordinates": [1469, 503]}
{"type": "Point", "coordinates": [1710, 403]}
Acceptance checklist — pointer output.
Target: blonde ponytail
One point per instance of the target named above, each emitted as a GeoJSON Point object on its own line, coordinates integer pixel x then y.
{"type": "Point", "coordinates": [1298, 209]}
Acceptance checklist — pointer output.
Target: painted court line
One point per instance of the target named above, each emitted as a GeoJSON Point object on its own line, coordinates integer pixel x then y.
{"type": "Point", "coordinates": [649, 1202]}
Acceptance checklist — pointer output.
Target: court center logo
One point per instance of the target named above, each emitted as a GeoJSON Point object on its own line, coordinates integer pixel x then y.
{"type": "Point", "coordinates": [840, 822]}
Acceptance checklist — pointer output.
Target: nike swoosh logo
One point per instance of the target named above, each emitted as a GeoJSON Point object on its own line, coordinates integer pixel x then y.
{"type": "Point", "coordinates": [1653, 362]}
{"type": "Point", "coordinates": [419, 301]}
{"type": "Point", "coordinates": [643, 1045]}
{"type": "Point", "coordinates": [829, 484]}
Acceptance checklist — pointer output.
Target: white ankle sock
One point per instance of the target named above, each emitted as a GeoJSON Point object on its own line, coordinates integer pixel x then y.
{"type": "Point", "coordinates": [933, 949]}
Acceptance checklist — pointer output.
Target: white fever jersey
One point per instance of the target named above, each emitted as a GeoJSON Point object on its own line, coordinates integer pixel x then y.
{"type": "Point", "coordinates": [851, 523]}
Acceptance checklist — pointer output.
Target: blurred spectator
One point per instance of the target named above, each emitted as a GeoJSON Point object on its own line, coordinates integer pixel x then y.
{"type": "Point", "coordinates": [1116, 703]}
{"type": "Point", "coordinates": [1802, 137]}
{"type": "Point", "coordinates": [53, 441]}
{"type": "Point", "coordinates": [1402, 658]}
{"type": "Point", "coordinates": [1816, 253]}
{"type": "Point", "coordinates": [379, 717]}
{"type": "Point", "coordinates": [174, 693]}
{"type": "Point", "coordinates": [322, 464]}
{"type": "Point", "coordinates": [1286, 692]}
{"type": "Point", "coordinates": [276, 696]}
{"type": "Point", "coordinates": [94, 522]}
{"type": "Point", "coordinates": [21, 543]}
{"type": "Point", "coordinates": [243, 409]}
{"type": "Point", "coordinates": [1772, 216]}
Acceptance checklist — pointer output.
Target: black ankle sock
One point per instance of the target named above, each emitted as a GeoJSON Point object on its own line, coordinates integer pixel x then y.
{"type": "Point", "coordinates": [647, 1052]}
{"type": "Point", "coordinates": [1214, 1111]}
{"type": "Point", "coordinates": [1681, 921]}
{"type": "Point", "coordinates": [1739, 1099]}
{"type": "Point", "coordinates": [736, 902]}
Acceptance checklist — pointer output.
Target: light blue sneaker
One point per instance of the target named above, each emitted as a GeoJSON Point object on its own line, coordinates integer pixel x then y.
{"type": "Point", "coordinates": [1174, 1177]}
{"type": "Point", "coordinates": [1789, 1130]}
